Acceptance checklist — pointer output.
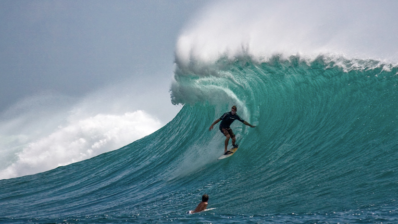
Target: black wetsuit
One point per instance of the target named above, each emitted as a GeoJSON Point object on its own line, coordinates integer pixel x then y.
{"type": "Point", "coordinates": [227, 119]}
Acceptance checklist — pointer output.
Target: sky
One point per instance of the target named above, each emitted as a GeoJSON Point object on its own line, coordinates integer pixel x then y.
{"type": "Point", "coordinates": [79, 78]}
{"type": "Point", "coordinates": [75, 47]}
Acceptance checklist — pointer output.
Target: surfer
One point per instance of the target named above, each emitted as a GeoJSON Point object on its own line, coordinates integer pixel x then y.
{"type": "Point", "coordinates": [202, 205]}
{"type": "Point", "coordinates": [226, 120]}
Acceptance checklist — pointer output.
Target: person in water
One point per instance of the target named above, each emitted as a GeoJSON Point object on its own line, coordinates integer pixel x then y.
{"type": "Point", "coordinates": [202, 205]}
{"type": "Point", "coordinates": [226, 120]}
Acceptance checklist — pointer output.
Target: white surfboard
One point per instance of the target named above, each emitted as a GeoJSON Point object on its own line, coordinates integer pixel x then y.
{"type": "Point", "coordinates": [208, 209]}
{"type": "Point", "coordinates": [233, 150]}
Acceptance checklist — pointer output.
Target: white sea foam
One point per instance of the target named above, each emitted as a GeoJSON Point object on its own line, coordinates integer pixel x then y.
{"type": "Point", "coordinates": [353, 29]}
{"type": "Point", "coordinates": [80, 140]}
{"type": "Point", "coordinates": [49, 130]}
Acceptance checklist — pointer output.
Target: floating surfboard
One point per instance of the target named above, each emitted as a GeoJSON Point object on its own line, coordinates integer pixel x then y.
{"type": "Point", "coordinates": [209, 209]}
{"type": "Point", "coordinates": [233, 150]}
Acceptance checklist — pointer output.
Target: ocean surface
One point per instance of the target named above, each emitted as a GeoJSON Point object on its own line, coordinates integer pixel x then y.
{"type": "Point", "coordinates": [324, 150]}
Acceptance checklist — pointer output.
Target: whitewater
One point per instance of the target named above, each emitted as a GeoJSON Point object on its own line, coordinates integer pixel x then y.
{"type": "Point", "coordinates": [325, 148]}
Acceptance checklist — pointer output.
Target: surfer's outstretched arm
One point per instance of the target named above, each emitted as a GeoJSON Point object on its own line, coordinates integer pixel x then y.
{"type": "Point", "coordinates": [248, 124]}
{"type": "Point", "coordinates": [215, 122]}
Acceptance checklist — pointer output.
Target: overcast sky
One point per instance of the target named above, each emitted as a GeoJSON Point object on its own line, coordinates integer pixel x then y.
{"type": "Point", "coordinates": [75, 47]}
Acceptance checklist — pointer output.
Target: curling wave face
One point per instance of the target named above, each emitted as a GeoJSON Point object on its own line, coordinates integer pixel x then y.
{"type": "Point", "coordinates": [325, 145]}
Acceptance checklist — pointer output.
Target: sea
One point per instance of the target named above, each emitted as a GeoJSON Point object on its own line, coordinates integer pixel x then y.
{"type": "Point", "coordinates": [324, 150]}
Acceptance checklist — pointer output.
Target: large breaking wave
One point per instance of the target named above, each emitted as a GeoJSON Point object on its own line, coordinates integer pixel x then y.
{"type": "Point", "coordinates": [325, 146]}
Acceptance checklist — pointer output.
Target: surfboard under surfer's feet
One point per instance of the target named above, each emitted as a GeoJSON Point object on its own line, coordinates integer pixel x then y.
{"type": "Point", "coordinates": [227, 152]}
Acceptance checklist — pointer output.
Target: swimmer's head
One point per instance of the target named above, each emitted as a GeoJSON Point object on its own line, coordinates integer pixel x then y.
{"type": "Point", "coordinates": [205, 198]}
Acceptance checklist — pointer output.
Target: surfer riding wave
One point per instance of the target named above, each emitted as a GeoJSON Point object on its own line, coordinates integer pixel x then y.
{"type": "Point", "coordinates": [226, 121]}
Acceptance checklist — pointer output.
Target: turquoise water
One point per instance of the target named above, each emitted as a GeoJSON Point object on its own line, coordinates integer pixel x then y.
{"type": "Point", "coordinates": [325, 149]}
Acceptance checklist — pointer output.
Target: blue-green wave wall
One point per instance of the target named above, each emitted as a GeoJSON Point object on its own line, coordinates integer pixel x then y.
{"type": "Point", "coordinates": [325, 141]}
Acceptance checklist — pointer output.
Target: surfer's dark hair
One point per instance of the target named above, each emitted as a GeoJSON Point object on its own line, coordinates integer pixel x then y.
{"type": "Point", "coordinates": [234, 107]}
{"type": "Point", "coordinates": [205, 198]}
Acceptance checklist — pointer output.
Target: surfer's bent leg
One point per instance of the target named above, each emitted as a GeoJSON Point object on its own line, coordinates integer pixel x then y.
{"type": "Point", "coordinates": [226, 143]}
{"type": "Point", "coordinates": [231, 133]}
{"type": "Point", "coordinates": [233, 141]}
{"type": "Point", "coordinates": [227, 135]}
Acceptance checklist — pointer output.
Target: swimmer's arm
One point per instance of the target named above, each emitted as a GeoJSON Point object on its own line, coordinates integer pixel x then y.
{"type": "Point", "coordinates": [215, 122]}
